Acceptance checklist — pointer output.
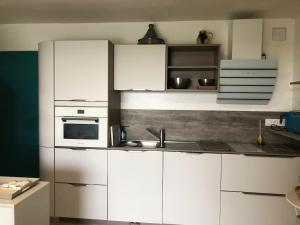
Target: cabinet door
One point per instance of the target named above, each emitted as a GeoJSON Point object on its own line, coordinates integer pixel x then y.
{"type": "Point", "coordinates": [135, 186]}
{"type": "Point", "coordinates": [46, 94]}
{"type": "Point", "coordinates": [47, 172]}
{"type": "Point", "coordinates": [81, 70]}
{"type": "Point", "coordinates": [191, 188]}
{"type": "Point", "coordinates": [140, 67]}
{"type": "Point", "coordinates": [86, 202]}
{"type": "Point", "coordinates": [81, 166]}
{"type": "Point", "coordinates": [238, 208]}
{"type": "Point", "coordinates": [259, 174]}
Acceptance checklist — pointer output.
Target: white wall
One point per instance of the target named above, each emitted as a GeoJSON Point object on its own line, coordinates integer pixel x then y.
{"type": "Point", "coordinates": [296, 88]}
{"type": "Point", "coordinates": [27, 36]}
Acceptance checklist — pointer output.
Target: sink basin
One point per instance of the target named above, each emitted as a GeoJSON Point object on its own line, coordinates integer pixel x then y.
{"type": "Point", "coordinates": [142, 144]}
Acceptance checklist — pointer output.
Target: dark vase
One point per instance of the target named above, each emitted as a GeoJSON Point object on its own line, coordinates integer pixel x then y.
{"type": "Point", "coordinates": [151, 37]}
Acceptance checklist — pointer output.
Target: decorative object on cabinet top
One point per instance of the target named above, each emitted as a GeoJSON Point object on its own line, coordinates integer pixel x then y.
{"type": "Point", "coordinates": [204, 37]}
{"type": "Point", "coordinates": [151, 37]}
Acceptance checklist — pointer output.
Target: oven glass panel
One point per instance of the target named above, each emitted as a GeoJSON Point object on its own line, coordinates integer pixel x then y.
{"type": "Point", "coordinates": [81, 131]}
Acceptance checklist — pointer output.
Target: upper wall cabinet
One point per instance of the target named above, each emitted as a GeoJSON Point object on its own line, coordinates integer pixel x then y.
{"type": "Point", "coordinates": [82, 70]}
{"type": "Point", "coordinates": [247, 39]}
{"type": "Point", "coordinates": [140, 67]}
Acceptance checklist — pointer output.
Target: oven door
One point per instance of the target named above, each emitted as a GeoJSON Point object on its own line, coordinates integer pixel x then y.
{"type": "Point", "coordinates": [81, 132]}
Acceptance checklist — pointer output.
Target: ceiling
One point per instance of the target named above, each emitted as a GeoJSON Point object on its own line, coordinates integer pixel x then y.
{"type": "Point", "coordinates": [76, 11]}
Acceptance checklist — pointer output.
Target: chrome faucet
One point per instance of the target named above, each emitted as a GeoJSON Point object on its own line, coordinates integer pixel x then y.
{"type": "Point", "coordinates": [161, 136]}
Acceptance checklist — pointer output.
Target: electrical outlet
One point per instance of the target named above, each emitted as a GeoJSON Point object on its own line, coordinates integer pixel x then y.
{"type": "Point", "coordinates": [270, 122]}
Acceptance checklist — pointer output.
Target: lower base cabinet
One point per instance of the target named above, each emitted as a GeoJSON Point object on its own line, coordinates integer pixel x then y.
{"type": "Point", "coordinates": [76, 201]}
{"type": "Point", "coordinates": [239, 208]}
{"type": "Point", "coordinates": [191, 188]}
{"type": "Point", "coordinates": [135, 186]}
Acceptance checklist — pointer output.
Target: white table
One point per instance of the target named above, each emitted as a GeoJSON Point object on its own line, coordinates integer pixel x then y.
{"type": "Point", "coordinates": [30, 208]}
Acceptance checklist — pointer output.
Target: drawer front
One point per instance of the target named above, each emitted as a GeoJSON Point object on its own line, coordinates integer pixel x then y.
{"type": "Point", "coordinates": [238, 208]}
{"type": "Point", "coordinates": [259, 174]}
{"type": "Point", "coordinates": [87, 202]}
{"type": "Point", "coordinates": [81, 166]}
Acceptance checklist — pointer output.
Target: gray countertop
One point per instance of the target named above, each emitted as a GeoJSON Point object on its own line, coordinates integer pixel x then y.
{"type": "Point", "coordinates": [279, 150]}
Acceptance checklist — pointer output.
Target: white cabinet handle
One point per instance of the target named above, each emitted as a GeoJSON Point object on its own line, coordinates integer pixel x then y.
{"type": "Point", "coordinates": [137, 151]}
{"type": "Point", "coordinates": [264, 194]}
{"type": "Point", "coordinates": [78, 185]}
{"type": "Point", "coordinates": [78, 100]}
{"type": "Point", "coordinates": [78, 149]}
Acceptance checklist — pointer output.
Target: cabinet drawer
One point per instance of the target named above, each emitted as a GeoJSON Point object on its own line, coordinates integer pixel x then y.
{"type": "Point", "coordinates": [259, 174]}
{"type": "Point", "coordinates": [238, 208]}
{"type": "Point", "coordinates": [81, 166]}
{"type": "Point", "coordinates": [87, 202]}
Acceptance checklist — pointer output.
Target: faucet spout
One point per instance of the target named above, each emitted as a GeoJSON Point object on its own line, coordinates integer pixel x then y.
{"type": "Point", "coordinates": [161, 136]}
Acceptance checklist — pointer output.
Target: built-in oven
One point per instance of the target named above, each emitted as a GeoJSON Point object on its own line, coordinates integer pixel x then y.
{"type": "Point", "coordinates": [84, 127]}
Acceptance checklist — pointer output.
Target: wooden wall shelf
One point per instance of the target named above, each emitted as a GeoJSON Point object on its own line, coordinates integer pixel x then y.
{"type": "Point", "coordinates": [193, 62]}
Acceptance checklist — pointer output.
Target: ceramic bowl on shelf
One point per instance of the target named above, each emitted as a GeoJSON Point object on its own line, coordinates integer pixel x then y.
{"type": "Point", "coordinates": [180, 83]}
{"type": "Point", "coordinates": [206, 82]}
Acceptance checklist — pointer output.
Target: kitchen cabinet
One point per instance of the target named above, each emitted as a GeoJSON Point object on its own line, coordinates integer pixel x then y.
{"type": "Point", "coordinates": [191, 188]}
{"type": "Point", "coordinates": [247, 39]}
{"type": "Point", "coordinates": [47, 172]}
{"type": "Point", "coordinates": [84, 166]}
{"type": "Point", "coordinates": [140, 67]}
{"type": "Point", "coordinates": [239, 208]}
{"type": "Point", "coordinates": [273, 175]}
{"type": "Point", "coordinates": [46, 94]}
{"type": "Point", "coordinates": [254, 188]}
{"type": "Point", "coordinates": [81, 183]}
{"type": "Point", "coordinates": [82, 70]}
{"type": "Point", "coordinates": [81, 201]}
{"type": "Point", "coordinates": [135, 186]}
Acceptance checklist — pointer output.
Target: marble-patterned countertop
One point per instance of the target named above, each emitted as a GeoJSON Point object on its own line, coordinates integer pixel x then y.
{"type": "Point", "coordinates": [279, 150]}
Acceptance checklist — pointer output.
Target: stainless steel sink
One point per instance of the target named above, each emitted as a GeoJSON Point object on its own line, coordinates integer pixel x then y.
{"type": "Point", "coordinates": [142, 144]}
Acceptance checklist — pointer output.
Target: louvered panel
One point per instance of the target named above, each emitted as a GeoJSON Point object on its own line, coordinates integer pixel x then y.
{"type": "Point", "coordinates": [241, 96]}
{"type": "Point", "coordinates": [248, 73]}
{"type": "Point", "coordinates": [242, 89]}
{"type": "Point", "coordinates": [246, 81]}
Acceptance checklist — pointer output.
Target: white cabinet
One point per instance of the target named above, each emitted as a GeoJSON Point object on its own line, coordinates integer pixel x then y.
{"type": "Point", "coordinates": [259, 174]}
{"type": "Point", "coordinates": [135, 186]}
{"type": "Point", "coordinates": [247, 39]}
{"type": "Point", "coordinates": [46, 94]}
{"type": "Point", "coordinates": [239, 208]}
{"type": "Point", "coordinates": [82, 70]}
{"type": "Point", "coordinates": [81, 201]}
{"type": "Point", "coordinates": [140, 67]}
{"type": "Point", "coordinates": [254, 187]}
{"type": "Point", "coordinates": [191, 188]}
{"type": "Point", "coordinates": [47, 172]}
{"type": "Point", "coordinates": [88, 166]}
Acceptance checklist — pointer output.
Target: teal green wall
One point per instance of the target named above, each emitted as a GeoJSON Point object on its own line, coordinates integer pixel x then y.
{"type": "Point", "coordinates": [19, 114]}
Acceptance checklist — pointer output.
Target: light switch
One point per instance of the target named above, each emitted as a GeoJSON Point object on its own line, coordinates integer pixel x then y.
{"type": "Point", "coordinates": [279, 34]}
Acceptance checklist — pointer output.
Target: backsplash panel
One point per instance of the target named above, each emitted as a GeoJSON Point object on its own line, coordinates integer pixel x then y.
{"type": "Point", "coordinates": [228, 126]}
